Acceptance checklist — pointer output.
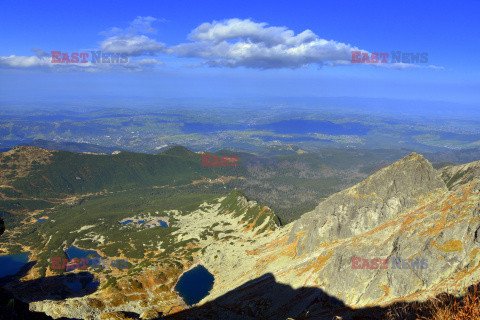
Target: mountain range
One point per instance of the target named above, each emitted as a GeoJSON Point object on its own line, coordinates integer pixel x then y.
{"type": "Point", "coordinates": [405, 233]}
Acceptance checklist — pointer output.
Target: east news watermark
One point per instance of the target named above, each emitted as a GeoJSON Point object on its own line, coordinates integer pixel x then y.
{"type": "Point", "coordinates": [395, 263]}
{"type": "Point", "coordinates": [59, 263]}
{"type": "Point", "coordinates": [84, 57]}
{"type": "Point", "coordinates": [392, 57]}
{"type": "Point", "coordinates": [209, 160]}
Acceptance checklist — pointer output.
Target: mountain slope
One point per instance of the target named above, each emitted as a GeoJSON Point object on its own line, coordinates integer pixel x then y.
{"type": "Point", "coordinates": [424, 222]}
{"type": "Point", "coordinates": [70, 146]}
{"type": "Point", "coordinates": [430, 237]}
{"type": "Point", "coordinates": [368, 204]}
{"type": "Point", "coordinates": [39, 172]}
{"type": "Point", "coordinates": [209, 226]}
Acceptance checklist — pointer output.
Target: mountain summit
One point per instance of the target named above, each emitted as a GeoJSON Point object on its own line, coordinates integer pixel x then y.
{"type": "Point", "coordinates": [367, 204]}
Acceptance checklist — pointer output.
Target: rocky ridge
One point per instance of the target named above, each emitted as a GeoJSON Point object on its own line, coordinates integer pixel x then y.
{"type": "Point", "coordinates": [404, 211]}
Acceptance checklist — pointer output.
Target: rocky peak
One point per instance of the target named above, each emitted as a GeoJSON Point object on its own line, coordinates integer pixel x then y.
{"type": "Point", "coordinates": [455, 176]}
{"type": "Point", "coordinates": [412, 175]}
{"type": "Point", "coordinates": [368, 204]}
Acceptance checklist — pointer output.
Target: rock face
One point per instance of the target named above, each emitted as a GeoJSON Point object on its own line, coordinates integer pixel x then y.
{"type": "Point", "coordinates": [368, 204]}
{"type": "Point", "coordinates": [428, 236]}
{"type": "Point", "coordinates": [459, 175]}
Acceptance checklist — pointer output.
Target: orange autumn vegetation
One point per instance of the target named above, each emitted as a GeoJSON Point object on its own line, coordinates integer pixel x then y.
{"type": "Point", "coordinates": [442, 307]}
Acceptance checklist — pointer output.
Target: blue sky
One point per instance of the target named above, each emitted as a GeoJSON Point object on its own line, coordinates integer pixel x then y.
{"type": "Point", "coordinates": [237, 50]}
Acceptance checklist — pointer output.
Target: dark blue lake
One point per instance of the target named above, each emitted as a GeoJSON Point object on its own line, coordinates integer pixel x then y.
{"type": "Point", "coordinates": [11, 264]}
{"type": "Point", "coordinates": [74, 252]}
{"type": "Point", "coordinates": [126, 222]}
{"type": "Point", "coordinates": [163, 223]}
{"type": "Point", "coordinates": [74, 285]}
{"type": "Point", "coordinates": [194, 285]}
{"type": "Point", "coordinates": [41, 220]}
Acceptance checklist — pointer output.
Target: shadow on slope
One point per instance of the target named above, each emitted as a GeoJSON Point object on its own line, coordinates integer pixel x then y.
{"type": "Point", "coordinates": [15, 294]}
{"type": "Point", "coordinates": [265, 298]}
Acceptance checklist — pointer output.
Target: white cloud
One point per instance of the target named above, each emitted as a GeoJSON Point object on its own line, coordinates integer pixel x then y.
{"type": "Point", "coordinates": [44, 63]}
{"type": "Point", "coordinates": [228, 43]}
{"type": "Point", "coordinates": [245, 43]}
{"type": "Point", "coordinates": [403, 66]}
{"type": "Point", "coordinates": [40, 53]}
{"type": "Point", "coordinates": [235, 43]}
{"type": "Point", "coordinates": [138, 26]}
{"type": "Point", "coordinates": [111, 32]}
{"type": "Point", "coordinates": [14, 61]}
{"type": "Point", "coordinates": [132, 45]}
{"type": "Point", "coordinates": [132, 41]}
{"type": "Point", "coordinates": [143, 25]}
{"type": "Point", "coordinates": [149, 62]}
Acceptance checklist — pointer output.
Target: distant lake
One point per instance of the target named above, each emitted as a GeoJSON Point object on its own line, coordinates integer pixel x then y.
{"type": "Point", "coordinates": [294, 126]}
{"type": "Point", "coordinates": [163, 223]}
{"type": "Point", "coordinates": [198, 127]}
{"type": "Point", "coordinates": [195, 284]}
{"type": "Point", "coordinates": [149, 223]}
{"type": "Point", "coordinates": [288, 139]}
{"type": "Point", "coordinates": [74, 252]}
{"type": "Point", "coordinates": [11, 264]}
{"type": "Point", "coordinates": [41, 220]}
{"type": "Point", "coordinates": [126, 222]}
{"type": "Point", "coordinates": [298, 126]}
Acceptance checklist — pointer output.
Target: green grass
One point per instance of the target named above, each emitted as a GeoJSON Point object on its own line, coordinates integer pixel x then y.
{"type": "Point", "coordinates": [104, 212]}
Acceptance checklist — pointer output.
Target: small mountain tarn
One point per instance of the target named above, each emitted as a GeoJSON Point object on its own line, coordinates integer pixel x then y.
{"type": "Point", "coordinates": [195, 284]}
{"type": "Point", "coordinates": [74, 252]}
{"type": "Point", "coordinates": [11, 264]}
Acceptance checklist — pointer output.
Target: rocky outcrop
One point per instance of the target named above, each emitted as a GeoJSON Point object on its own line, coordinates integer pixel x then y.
{"type": "Point", "coordinates": [418, 239]}
{"type": "Point", "coordinates": [459, 175]}
{"type": "Point", "coordinates": [368, 204]}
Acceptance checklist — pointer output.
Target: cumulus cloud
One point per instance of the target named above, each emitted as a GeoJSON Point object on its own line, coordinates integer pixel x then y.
{"type": "Point", "coordinates": [143, 25]}
{"type": "Point", "coordinates": [236, 43]}
{"type": "Point", "coordinates": [227, 43]}
{"type": "Point", "coordinates": [14, 61]}
{"type": "Point", "coordinates": [149, 62]}
{"type": "Point", "coordinates": [40, 53]}
{"type": "Point", "coordinates": [111, 32]}
{"type": "Point", "coordinates": [245, 43]}
{"type": "Point", "coordinates": [139, 25]}
{"type": "Point", "coordinates": [132, 41]}
{"type": "Point", "coordinates": [44, 63]}
{"type": "Point", "coordinates": [132, 45]}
